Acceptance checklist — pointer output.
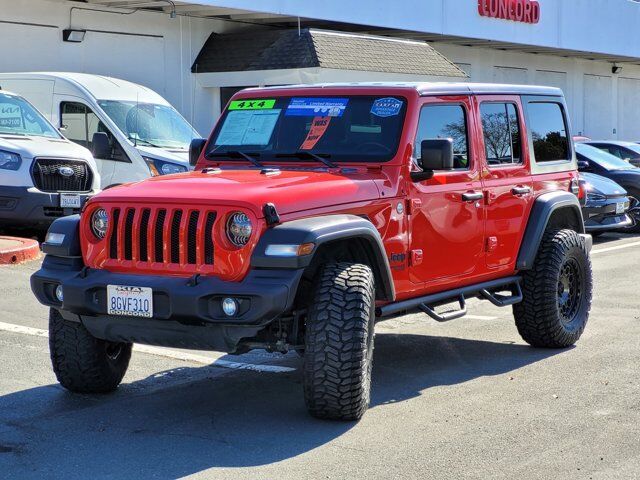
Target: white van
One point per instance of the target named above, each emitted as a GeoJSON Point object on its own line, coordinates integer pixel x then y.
{"type": "Point", "coordinates": [132, 131]}
{"type": "Point", "coordinates": [43, 175]}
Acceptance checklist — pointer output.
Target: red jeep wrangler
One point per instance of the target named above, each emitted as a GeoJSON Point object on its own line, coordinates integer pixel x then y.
{"type": "Point", "coordinates": [313, 211]}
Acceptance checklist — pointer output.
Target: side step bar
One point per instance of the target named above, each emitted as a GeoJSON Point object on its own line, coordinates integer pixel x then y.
{"type": "Point", "coordinates": [446, 316]}
{"type": "Point", "coordinates": [483, 290]}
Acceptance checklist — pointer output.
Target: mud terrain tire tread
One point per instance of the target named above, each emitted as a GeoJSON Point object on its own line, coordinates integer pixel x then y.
{"type": "Point", "coordinates": [339, 342]}
{"type": "Point", "coordinates": [80, 361]}
{"type": "Point", "coordinates": [537, 316]}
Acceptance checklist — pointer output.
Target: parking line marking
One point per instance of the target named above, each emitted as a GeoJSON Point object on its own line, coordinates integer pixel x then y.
{"type": "Point", "coordinates": [479, 317]}
{"type": "Point", "coordinates": [619, 247]}
{"type": "Point", "coordinates": [215, 361]}
{"type": "Point", "coordinates": [37, 332]}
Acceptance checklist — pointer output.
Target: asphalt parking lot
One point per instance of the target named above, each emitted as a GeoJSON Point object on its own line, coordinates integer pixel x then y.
{"type": "Point", "coordinates": [465, 399]}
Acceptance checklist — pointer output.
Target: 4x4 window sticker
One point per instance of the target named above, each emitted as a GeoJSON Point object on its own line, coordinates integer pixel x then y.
{"type": "Point", "coordinates": [518, 124]}
{"type": "Point", "coordinates": [469, 156]}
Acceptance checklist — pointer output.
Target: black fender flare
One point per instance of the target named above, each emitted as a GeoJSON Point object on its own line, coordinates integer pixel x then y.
{"type": "Point", "coordinates": [321, 231]}
{"type": "Point", "coordinates": [543, 209]}
{"type": "Point", "coordinates": [70, 245]}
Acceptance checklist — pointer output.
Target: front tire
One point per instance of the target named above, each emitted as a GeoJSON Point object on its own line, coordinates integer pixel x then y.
{"type": "Point", "coordinates": [634, 212]}
{"type": "Point", "coordinates": [556, 292]}
{"type": "Point", "coordinates": [339, 342]}
{"type": "Point", "coordinates": [83, 363]}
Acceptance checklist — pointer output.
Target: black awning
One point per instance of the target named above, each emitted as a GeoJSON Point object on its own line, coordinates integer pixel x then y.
{"type": "Point", "coordinates": [309, 48]}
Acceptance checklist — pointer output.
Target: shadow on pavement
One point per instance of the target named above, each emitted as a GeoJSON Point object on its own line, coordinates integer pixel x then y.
{"type": "Point", "coordinates": [609, 237]}
{"type": "Point", "coordinates": [237, 420]}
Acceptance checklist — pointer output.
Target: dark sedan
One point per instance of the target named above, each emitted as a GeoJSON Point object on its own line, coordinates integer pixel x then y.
{"type": "Point", "coordinates": [628, 151]}
{"type": "Point", "coordinates": [606, 204]}
{"type": "Point", "coordinates": [594, 160]}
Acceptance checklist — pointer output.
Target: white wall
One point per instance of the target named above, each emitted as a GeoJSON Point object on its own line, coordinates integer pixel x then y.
{"type": "Point", "coordinates": [604, 26]}
{"type": "Point", "coordinates": [601, 104]}
{"type": "Point", "coordinates": [146, 48]}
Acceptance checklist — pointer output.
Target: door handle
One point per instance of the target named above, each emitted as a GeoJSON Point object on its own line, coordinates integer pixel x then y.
{"type": "Point", "coordinates": [518, 191]}
{"type": "Point", "coordinates": [472, 196]}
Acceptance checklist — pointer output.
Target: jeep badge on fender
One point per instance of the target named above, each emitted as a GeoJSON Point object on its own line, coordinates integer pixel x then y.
{"type": "Point", "coordinates": [315, 211]}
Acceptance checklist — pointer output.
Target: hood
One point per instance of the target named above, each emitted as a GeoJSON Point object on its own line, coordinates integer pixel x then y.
{"type": "Point", "coordinates": [604, 186]}
{"type": "Point", "coordinates": [628, 178]}
{"type": "Point", "coordinates": [289, 190]}
{"type": "Point", "coordinates": [174, 155]}
{"type": "Point", "coordinates": [30, 147]}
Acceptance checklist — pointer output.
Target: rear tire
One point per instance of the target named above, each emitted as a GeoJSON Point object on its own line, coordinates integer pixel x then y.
{"type": "Point", "coordinates": [556, 292]}
{"type": "Point", "coordinates": [83, 363]}
{"type": "Point", "coordinates": [339, 342]}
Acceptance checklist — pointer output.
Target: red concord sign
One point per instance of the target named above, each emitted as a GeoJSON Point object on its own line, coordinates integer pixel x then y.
{"type": "Point", "coordinates": [527, 11]}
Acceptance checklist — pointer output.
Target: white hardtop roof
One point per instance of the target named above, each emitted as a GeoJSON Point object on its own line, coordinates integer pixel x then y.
{"type": "Point", "coordinates": [440, 88]}
{"type": "Point", "coordinates": [98, 86]}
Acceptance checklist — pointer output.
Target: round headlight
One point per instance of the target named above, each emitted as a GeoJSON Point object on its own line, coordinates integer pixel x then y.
{"type": "Point", "coordinates": [169, 168]}
{"type": "Point", "coordinates": [239, 229]}
{"type": "Point", "coordinates": [99, 223]}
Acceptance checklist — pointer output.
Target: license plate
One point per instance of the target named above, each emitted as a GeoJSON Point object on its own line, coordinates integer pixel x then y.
{"type": "Point", "coordinates": [130, 301]}
{"type": "Point", "coordinates": [69, 200]}
{"type": "Point", "coordinates": [620, 207]}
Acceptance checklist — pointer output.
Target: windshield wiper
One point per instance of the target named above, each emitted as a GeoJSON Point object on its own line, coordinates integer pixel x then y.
{"type": "Point", "coordinates": [322, 157]}
{"type": "Point", "coordinates": [17, 134]}
{"type": "Point", "coordinates": [144, 142]}
{"type": "Point", "coordinates": [238, 154]}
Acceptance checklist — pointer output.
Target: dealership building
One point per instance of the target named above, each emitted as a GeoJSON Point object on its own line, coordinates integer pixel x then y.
{"type": "Point", "coordinates": [198, 53]}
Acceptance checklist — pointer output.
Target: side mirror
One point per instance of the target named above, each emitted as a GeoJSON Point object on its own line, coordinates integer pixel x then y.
{"type": "Point", "coordinates": [436, 154]}
{"type": "Point", "coordinates": [195, 149]}
{"type": "Point", "coordinates": [583, 165]}
{"type": "Point", "coordinates": [100, 146]}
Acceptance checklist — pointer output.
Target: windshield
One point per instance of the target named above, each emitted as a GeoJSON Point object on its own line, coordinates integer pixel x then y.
{"type": "Point", "coordinates": [348, 128]}
{"type": "Point", "coordinates": [633, 147]}
{"type": "Point", "coordinates": [18, 117]}
{"type": "Point", "coordinates": [602, 158]}
{"type": "Point", "coordinates": [149, 124]}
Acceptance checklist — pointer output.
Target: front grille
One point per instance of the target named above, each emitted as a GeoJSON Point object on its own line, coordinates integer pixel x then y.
{"type": "Point", "coordinates": [177, 236]}
{"type": "Point", "coordinates": [47, 176]}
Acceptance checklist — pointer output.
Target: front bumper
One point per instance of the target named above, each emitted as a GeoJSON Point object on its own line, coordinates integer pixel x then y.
{"type": "Point", "coordinates": [29, 206]}
{"type": "Point", "coordinates": [600, 218]}
{"type": "Point", "coordinates": [187, 314]}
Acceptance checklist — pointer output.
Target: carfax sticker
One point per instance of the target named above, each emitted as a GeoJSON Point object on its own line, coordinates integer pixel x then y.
{"type": "Point", "coordinates": [257, 104]}
{"type": "Point", "coordinates": [386, 107]}
{"type": "Point", "coordinates": [317, 107]}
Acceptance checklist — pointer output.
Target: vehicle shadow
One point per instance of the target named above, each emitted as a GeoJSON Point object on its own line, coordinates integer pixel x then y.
{"type": "Point", "coordinates": [241, 419]}
{"type": "Point", "coordinates": [609, 237]}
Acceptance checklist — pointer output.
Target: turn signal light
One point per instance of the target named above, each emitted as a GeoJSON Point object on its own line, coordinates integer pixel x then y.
{"type": "Point", "coordinates": [305, 249]}
{"type": "Point", "coordinates": [276, 250]}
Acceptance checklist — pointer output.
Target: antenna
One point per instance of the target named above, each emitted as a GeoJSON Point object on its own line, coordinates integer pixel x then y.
{"type": "Point", "coordinates": [135, 139]}
{"type": "Point", "coordinates": [193, 100]}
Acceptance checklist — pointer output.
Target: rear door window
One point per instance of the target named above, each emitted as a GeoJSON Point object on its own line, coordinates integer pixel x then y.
{"type": "Point", "coordinates": [549, 132]}
{"type": "Point", "coordinates": [501, 131]}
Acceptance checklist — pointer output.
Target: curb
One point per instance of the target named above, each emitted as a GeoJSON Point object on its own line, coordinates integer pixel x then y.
{"type": "Point", "coordinates": [14, 250]}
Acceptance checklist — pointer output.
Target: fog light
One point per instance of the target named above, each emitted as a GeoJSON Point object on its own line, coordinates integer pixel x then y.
{"type": "Point", "coordinates": [59, 293]}
{"type": "Point", "coordinates": [229, 307]}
